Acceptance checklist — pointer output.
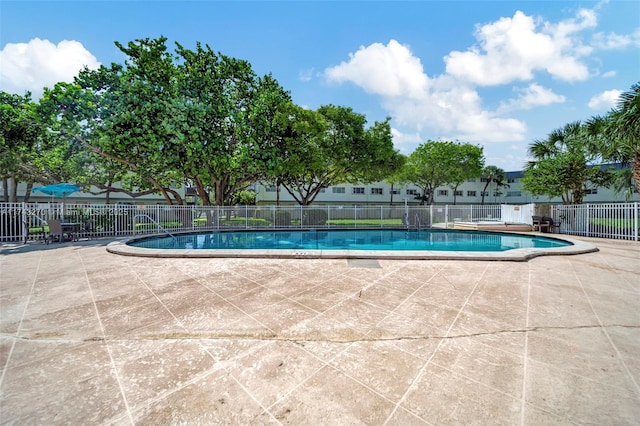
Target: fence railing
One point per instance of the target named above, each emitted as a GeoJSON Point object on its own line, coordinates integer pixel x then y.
{"type": "Point", "coordinates": [28, 221]}
{"type": "Point", "coordinates": [617, 221]}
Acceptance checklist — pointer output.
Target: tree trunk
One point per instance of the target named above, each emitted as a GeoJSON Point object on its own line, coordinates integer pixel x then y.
{"type": "Point", "coordinates": [27, 193]}
{"type": "Point", "coordinates": [220, 188]}
{"type": "Point", "coordinates": [484, 191]}
{"type": "Point", "coordinates": [13, 190]}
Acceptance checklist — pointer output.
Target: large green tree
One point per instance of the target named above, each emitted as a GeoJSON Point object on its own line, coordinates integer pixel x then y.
{"type": "Point", "coordinates": [466, 163]}
{"type": "Point", "coordinates": [433, 164]}
{"type": "Point", "coordinates": [193, 116]}
{"type": "Point", "coordinates": [330, 146]}
{"type": "Point", "coordinates": [29, 152]}
{"type": "Point", "coordinates": [19, 132]}
{"type": "Point", "coordinates": [563, 165]}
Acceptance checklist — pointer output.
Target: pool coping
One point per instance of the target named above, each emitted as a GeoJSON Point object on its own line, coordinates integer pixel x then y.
{"type": "Point", "coordinates": [519, 255]}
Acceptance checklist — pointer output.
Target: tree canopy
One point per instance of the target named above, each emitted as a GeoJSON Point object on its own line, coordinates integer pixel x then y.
{"type": "Point", "coordinates": [563, 165]}
{"type": "Point", "coordinates": [193, 117]}
{"type": "Point", "coordinates": [434, 164]}
{"type": "Point", "coordinates": [329, 146]}
{"type": "Point", "coordinates": [618, 136]}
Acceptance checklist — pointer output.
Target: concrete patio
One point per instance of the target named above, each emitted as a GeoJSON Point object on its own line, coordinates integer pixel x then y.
{"type": "Point", "coordinates": [89, 337]}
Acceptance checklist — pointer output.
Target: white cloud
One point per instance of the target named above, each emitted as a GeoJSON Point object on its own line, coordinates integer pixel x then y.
{"type": "Point", "coordinates": [533, 96]}
{"type": "Point", "coordinates": [39, 63]}
{"type": "Point", "coordinates": [512, 49]}
{"type": "Point", "coordinates": [449, 106]}
{"type": "Point", "coordinates": [611, 41]}
{"type": "Point", "coordinates": [605, 100]}
{"type": "Point", "coordinates": [609, 74]}
{"type": "Point", "coordinates": [389, 70]}
{"type": "Point", "coordinates": [445, 106]}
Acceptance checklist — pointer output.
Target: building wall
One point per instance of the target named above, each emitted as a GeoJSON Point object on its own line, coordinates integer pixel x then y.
{"type": "Point", "coordinates": [470, 192]}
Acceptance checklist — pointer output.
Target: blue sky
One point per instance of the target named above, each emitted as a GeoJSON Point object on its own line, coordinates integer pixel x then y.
{"type": "Point", "coordinates": [499, 74]}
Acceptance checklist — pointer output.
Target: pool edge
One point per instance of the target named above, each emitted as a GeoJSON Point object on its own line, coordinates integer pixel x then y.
{"type": "Point", "coordinates": [516, 255]}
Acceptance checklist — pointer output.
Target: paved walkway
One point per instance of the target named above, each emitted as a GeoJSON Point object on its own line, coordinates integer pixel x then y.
{"type": "Point", "coordinates": [89, 337]}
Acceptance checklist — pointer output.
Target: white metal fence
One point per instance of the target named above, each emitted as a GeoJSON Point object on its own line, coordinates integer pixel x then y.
{"type": "Point", "coordinates": [28, 221]}
{"type": "Point", "coordinates": [618, 221]}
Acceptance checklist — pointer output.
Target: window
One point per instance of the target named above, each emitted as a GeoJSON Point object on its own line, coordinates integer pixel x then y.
{"type": "Point", "coordinates": [514, 193]}
{"type": "Point", "coordinates": [271, 188]}
{"type": "Point", "coordinates": [512, 180]}
{"type": "Point", "coordinates": [471, 194]}
{"type": "Point", "coordinates": [412, 192]}
{"type": "Point", "coordinates": [458, 193]}
{"type": "Point", "coordinates": [484, 194]}
{"type": "Point", "coordinates": [443, 192]}
{"type": "Point", "coordinates": [358, 190]}
{"type": "Point", "coordinates": [484, 179]}
{"type": "Point", "coordinates": [395, 191]}
{"type": "Point", "coordinates": [471, 180]}
{"type": "Point", "coordinates": [591, 191]}
{"type": "Point", "coordinates": [376, 191]}
{"type": "Point", "coordinates": [497, 193]}
{"type": "Point", "coordinates": [338, 189]}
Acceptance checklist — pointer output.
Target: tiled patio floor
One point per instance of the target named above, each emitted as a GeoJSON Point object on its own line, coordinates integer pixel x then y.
{"type": "Point", "coordinates": [88, 337]}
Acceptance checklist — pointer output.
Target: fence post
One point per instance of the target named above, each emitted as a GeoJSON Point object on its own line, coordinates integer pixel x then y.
{"type": "Point", "coordinates": [23, 219]}
{"type": "Point", "coordinates": [636, 206]}
{"type": "Point", "coordinates": [446, 216]}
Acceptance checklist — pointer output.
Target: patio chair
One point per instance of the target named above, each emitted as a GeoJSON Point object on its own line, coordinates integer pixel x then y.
{"type": "Point", "coordinates": [55, 232]}
{"type": "Point", "coordinates": [550, 225]}
{"type": "Point", "coordinates": [540, 224]}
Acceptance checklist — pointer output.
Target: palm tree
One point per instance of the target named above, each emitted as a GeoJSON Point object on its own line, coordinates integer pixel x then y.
{"type": "Point", "coordinates": [563, 163]}
{"type": "Point", "coordinates": [493, 174]}
{"type": "Point", "coordinates": [621, 130]}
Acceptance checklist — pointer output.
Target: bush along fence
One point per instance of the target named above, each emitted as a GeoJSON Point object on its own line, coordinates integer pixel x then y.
{"type": "Point", "coordinates": [29, 221]}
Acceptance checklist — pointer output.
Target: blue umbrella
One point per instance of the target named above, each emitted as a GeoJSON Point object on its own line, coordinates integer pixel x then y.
{"type": "Point", "coordinates": [58, 189]}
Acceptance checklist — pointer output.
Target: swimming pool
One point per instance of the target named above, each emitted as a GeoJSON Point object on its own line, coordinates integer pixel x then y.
{"type": "Point", "coordinates": [351, 243]}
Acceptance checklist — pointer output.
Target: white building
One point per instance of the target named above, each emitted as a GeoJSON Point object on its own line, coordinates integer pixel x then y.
{"type": "Point", "coordinates": [469, 192]}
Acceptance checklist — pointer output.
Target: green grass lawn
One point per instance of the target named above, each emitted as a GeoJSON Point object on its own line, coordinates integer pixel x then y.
{"type": "Point", "coordinates": [613, 223]}
{"type": "Point", "coordinates": [368, 222]}
{"type": "Point", "coordinates": [240, 221]}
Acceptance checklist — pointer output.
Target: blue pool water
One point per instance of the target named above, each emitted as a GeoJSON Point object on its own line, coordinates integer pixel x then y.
{"type": "Point", "coordinates": [360, 239]}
